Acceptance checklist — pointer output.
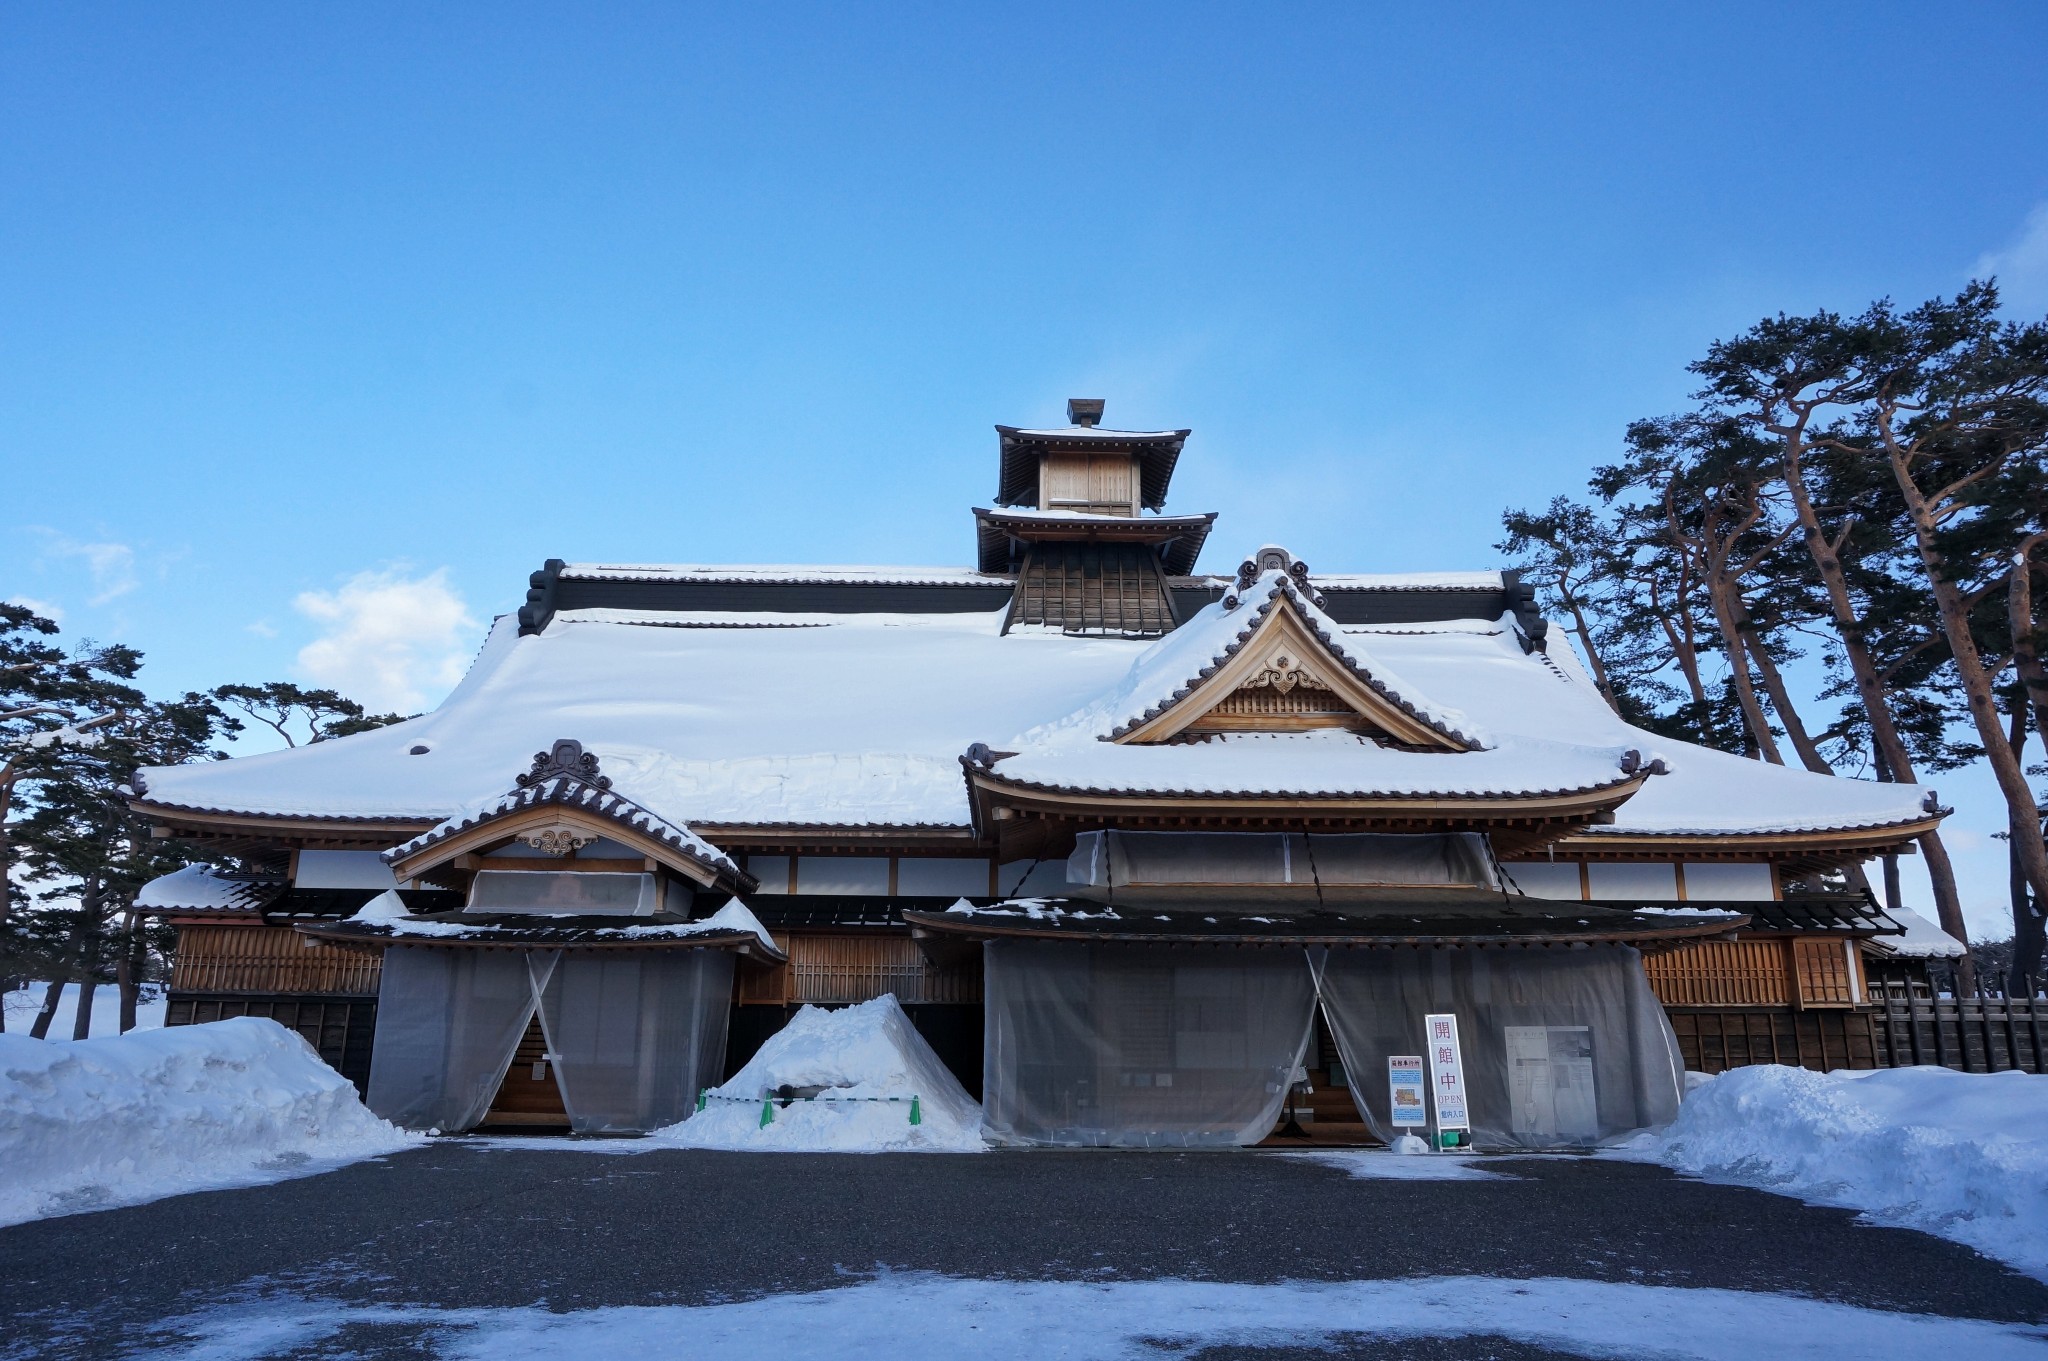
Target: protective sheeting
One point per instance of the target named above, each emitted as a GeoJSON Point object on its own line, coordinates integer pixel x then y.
{"type": "Point", "coordinates": [448, 1022]}
{"type": "Point", "coordinates": [1563, 1047]}
{"type": "Point", "coordinates": [1137, 1046]}
{"type": "Point", "coordinates": [1113, 860]}
{"type": "Point", "coordinates": [635, 1035]}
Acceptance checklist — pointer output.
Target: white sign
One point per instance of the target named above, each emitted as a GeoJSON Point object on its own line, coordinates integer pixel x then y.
{"type": "Point", "coordinates": [1447, 1072]}
{"type": "Point", "coordinates": [1407, 1097]}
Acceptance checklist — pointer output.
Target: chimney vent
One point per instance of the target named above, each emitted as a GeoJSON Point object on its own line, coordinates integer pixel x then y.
{"type": "Point", "coordinates": [1084, 411]}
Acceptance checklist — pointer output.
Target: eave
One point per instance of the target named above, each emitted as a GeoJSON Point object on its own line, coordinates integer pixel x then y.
{"type": "Point", "coordinates": [1819, 848]}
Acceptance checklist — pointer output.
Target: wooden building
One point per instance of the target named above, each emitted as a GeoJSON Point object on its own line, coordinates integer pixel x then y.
{"type": "Point", "coordinates": [1081, 779]}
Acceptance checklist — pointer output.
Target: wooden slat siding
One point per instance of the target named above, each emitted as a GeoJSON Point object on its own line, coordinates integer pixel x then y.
{"type": "Point", "coordinates": [341, 1029]}
{"type": "Point", "coordinates": [269, 959]}
{"type": "Point", "coordinates": [1722, 973]}
{"type": "Point", "coordinates": [857, 968]}
{"type": "Point", "coordinates": [1969, 1034]}
{"type": "Point", "coordinates": [1822, 968]}
{"type": "Point", "coordinates": [1094, 588]}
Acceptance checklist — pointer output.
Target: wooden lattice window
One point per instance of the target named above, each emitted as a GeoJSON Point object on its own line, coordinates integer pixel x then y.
{"type": "Point", "coordinates": [1722, 973]}
{"type": "Point", "coordinates": [1828, 972]}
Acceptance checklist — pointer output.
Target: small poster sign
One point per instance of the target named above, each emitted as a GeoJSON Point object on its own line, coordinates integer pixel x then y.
{"type": "Point", "coordinates": [1406, 1097]}
{"type": "Point", "coordinates": [1447, 1072]}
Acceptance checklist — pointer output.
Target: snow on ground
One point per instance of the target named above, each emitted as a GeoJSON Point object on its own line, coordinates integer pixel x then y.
{"type": "Point", "coordinates": [915, 1317]}
{"type": "Point", "coordinates": [1961, 1155]}
{"type": "Point", "coordinates": [148, 1114]}
{"type": "Point", "coordinates": [25, 1001]}
{"type": "Point", "coordinates": [1375, 1164]}
{"type": "Point", "coordinates": [866, 1051]}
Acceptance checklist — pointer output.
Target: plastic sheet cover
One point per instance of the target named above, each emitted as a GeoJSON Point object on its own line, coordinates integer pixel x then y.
{"type": "Point", "coordinates": [1135, 1046]}
{"type": "Point", "coordinates": [448, 1023]}
{"type": "Point", "coordinates": [1563, 1047]}
{"type": "Point", "coordinates": [636, 1034]}
{"type": "Point", "coordinates": [1111, 860]}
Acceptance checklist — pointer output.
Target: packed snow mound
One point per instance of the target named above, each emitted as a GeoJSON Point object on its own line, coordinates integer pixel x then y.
{"type": "Point", "coordinates": [1962, 1155]}
{"type": "Point", "coordinates": [856, 1055]}
{"type": "Point", "coordinates": [157, 1113]}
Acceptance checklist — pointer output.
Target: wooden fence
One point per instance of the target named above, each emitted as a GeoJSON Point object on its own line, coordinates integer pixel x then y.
{"type": "Point", "coordinates": [1982, 1034]}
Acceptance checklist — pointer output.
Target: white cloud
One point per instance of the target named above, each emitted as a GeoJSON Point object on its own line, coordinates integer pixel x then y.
{"type": "Point", "coordinates": [391, 642]}
{"type": "Point", "coordinates": [2022, 267]}
{"type": "Point", "coordinates": [50, 610]}
{"type": "Point", "coordinates": [112, 565]}
{"type": "Point", "coordinates": [262, 628]}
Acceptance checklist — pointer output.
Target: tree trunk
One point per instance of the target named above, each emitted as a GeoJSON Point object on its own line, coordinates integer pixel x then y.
{"type": "Point", "coordinates": [81, 1020]}
{"type": "Point", "coordinates": [1719, 591]}
{"type": "Point", "coordinates": [2029, 931]}
{"type": "Point", "coordinates": [125, 972]}
{"type": "Point", "coordinates": [52, 995]}
{"type": "Point", "coordinates": [1948, 904]}
{"type": "Point", "coordinates": [2019, 617]}
{"type": "Point", "coordinates": [1788, 714]}
{"type": "Point", "coordinates": [2023, 815]}
{"type": "Point", "coordinates": [1870, 689]}
{"type": "Point", "coordinates": [1585, 632]}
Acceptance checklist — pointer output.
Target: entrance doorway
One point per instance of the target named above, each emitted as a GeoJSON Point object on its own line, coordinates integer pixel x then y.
{"type": "Point", "coordinates": [529, 1097]}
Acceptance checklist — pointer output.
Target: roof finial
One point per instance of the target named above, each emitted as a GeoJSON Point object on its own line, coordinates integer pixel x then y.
{"type": "Point", "coordinates": [1085, 411]}
{"type": "Point", "coordinates": [566, 757]}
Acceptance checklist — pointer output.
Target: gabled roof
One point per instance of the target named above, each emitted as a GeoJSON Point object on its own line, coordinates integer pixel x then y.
{"type": "Point", "coordinates": [1197, 666]}
{"type": "Point", "coordinates": [565, 780]}
{"type": "Point", "coordinates": [1156, 450]}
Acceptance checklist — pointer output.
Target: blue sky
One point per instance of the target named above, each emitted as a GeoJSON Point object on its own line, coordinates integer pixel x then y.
{"type": "Point", "coordinates": [322, 327]}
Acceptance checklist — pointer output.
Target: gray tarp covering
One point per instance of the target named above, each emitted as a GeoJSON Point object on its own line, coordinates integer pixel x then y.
{"type": "Point", "coordinates": [1112, 860]}
{"type": "Point", "coordinates": [632, 1034]}
{"type": "Point", "coordinates": [1140, 1046]}
{"type": "Point", "coordinates": [1563, 1047]}
{"type": "Point", "coordinates": [448, 1023]}
{"type": "Point", "coordinates": [636, 1034]}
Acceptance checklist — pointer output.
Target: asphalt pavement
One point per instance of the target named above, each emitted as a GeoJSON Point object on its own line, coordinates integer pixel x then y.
{"type": "Point", "coordinates": [462, 1224]}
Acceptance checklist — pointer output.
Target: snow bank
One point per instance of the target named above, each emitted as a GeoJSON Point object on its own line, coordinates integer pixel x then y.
{"type": "Point", "coordinates": [1962, 1155]}
{"type": "Point", "coordinates": [157, 1113]}
{"type": "Point", "coordinates": [870, 1050]}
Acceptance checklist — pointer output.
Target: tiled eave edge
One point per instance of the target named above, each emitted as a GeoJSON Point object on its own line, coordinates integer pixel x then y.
{"type": "Point", "coordinates": [1858, 839]}
{"type": "Point", "coordinates": [1634, 933]}
{"type": "Point", "coordinates": [367, 935]}
{"type": "Point", "coordinates": [592, 801]}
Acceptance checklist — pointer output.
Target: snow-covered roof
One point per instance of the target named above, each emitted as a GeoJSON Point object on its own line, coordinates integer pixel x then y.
{"type": "Point", "coordinates": [1923, 939]}
{"type": "Point", "coordinates": [553, 784]}
{"type": "Point", "coordinates": [1172, 667]}
{"type": "Point", "coordinates": [781, 574]}
{"type": "Point", "coordinates": [860, 721]}
{"type": "Point", "coordinates": [207, 888]}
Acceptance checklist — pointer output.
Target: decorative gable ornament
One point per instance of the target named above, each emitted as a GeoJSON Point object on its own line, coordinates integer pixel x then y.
{"type": "Point", "coordinates": [559, 840]}
{"type": "Point", "coordinates": [1286, 671]}
{"type": "Point", "coordinates": [566, 758]}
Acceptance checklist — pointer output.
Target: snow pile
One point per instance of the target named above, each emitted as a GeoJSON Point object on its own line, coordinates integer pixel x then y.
{"type": "Point", "coordinates": [864, 1051]}
{"type": "Point", "coordinates": [1962, 1155]}
{"type": "Point", "coordinates": [157, 1113]}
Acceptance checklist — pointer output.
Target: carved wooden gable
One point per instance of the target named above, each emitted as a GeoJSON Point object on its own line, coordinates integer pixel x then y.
{"type": "Point", "coordinates": [1285, 678]}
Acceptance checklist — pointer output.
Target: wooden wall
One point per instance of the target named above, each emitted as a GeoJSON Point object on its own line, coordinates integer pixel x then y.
{"type": "Point", "coordinates": [340, 1028]}
{"type": "Point", "coordinates": [224, 958]}
{"type": "Point", "coordinates": [1800, 972]}
{"type": "Point", "coordinates": [832, 969]}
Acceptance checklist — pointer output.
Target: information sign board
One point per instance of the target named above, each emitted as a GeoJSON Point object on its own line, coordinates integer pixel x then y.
{"type": "Point", "coordinates": [1406, 1098]}
{"type": "Point", "coordinates": [1447, 1072]}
